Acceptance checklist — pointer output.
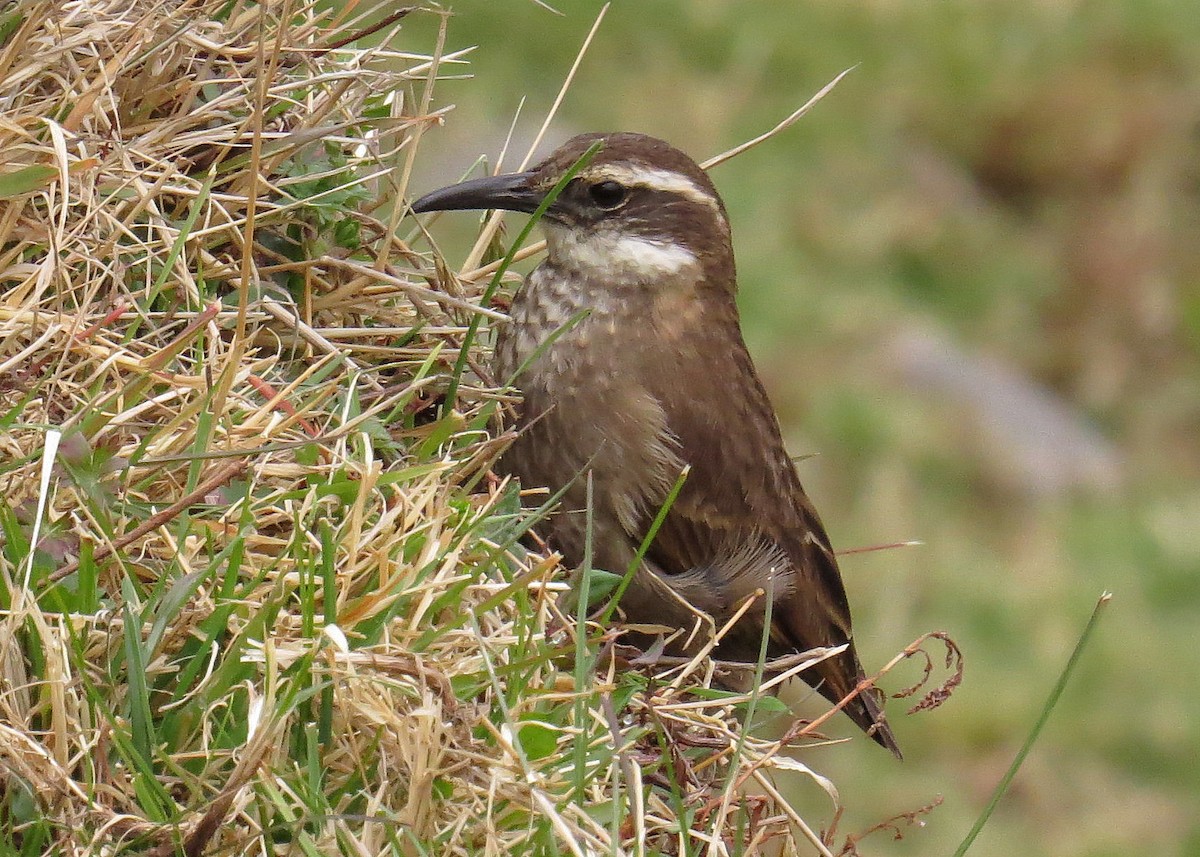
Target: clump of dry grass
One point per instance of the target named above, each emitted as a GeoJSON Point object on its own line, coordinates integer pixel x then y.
{"type": "Point", "coordinates": [264, 595]}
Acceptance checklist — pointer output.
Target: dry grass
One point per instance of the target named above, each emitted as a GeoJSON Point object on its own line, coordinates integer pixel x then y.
{"type": "Point", "coordinates": [277, 603]}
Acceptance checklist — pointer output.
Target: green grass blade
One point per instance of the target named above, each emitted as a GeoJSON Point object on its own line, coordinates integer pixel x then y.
{"type": "Point", "coordinates": [1051, 701]}
{"type": "Point", "coordinates": [460, 365]}
{"type": "Point", "coordinates": [645, 545]}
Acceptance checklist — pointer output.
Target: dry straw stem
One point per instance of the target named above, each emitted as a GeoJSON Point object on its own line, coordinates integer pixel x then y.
{"type": "Point", "coordinates": [277, 604]}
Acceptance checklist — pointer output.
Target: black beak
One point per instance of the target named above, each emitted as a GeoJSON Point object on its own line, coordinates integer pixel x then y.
{"type": "Point", "coordinates": [510, 192]}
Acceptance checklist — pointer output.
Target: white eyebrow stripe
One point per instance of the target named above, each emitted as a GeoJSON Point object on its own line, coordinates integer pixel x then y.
{"type": "Point", "coordinates": [655, 179]}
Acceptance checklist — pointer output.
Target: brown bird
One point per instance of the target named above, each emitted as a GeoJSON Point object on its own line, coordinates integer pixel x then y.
{"type": "Point", "coordinates": [648, 374]}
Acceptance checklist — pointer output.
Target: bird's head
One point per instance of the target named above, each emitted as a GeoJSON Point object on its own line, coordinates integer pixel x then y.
{"type": "Point", "coordinates": [638, 209]}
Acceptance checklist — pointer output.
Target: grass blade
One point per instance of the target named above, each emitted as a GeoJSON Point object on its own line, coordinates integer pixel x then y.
{"type": "Point", "coordinates": [1051, 701]}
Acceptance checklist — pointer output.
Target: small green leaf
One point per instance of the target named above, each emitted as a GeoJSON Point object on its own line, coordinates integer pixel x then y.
{"type": "Point", "coordinates": [346, 233]}
{"type": "Point", "coordinates": [537, 740]}
{"type": "Point", "coordinates": [771, 705]}
{"type": "Point", "coordinates": [600, 584]}
{"type": "Point", "coordinates": [25, 180]}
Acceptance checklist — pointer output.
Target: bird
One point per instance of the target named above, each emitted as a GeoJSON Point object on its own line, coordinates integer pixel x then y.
{"type": "Point", "coordinates": [626, 347]}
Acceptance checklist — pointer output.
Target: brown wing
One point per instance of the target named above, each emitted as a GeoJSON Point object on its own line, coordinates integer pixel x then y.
{"type": "Point", "coordinates": [743, 488]}
{"type": "Point", "coordinates": [743, 499]}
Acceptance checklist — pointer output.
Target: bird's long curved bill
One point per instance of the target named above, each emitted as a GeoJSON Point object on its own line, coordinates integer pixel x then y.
{"type": "Point", "coordinates": [511, 192]}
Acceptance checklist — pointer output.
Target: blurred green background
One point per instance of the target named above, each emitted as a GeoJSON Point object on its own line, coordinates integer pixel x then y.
{"type": "Point", "coordinates": [971, 280]}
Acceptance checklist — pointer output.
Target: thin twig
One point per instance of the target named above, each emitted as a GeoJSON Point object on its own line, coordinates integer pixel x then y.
{"type": "Point", "coordinates": [216, 480]}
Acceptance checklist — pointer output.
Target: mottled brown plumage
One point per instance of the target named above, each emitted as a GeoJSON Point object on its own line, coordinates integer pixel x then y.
{"type": "Point", "coordinates": [654, 377]}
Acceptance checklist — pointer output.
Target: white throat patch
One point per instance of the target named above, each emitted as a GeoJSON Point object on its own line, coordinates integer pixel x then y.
{"type": "Point", "coordinates": [613, 253]}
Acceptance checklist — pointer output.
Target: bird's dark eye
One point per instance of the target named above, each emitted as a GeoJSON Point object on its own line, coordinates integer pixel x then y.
{"type": "Point", "coordinates": [607, 194]}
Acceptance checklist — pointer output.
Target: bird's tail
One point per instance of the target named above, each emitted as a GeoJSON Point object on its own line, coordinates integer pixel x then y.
{"type": "Point", "coordinates": [836, 678]}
